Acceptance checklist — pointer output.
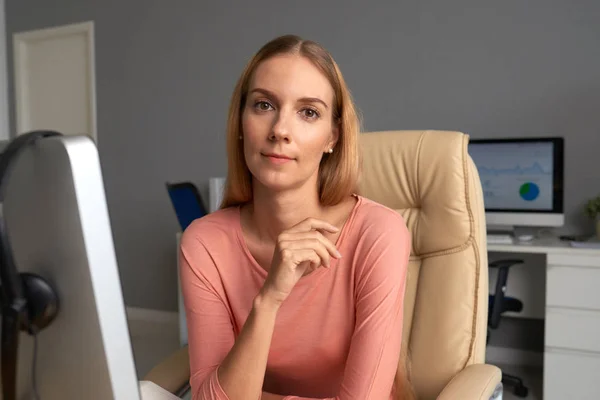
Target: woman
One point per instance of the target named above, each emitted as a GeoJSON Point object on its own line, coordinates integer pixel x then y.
{"type": "Point", "coordinates": [294, 288]}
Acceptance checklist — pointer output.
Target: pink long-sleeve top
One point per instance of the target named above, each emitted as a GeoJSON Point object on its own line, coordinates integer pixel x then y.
{"type": "Point", "coordinates": [337, 335]}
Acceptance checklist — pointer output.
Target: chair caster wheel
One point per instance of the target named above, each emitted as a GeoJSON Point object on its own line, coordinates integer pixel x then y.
{"type": "Point", "coordinates": [520, 391]}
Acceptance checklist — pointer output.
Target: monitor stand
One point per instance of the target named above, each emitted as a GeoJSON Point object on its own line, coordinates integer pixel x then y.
{"type": "Point", "coordinates": [501, 229]}
{"type": "Point", "coordinates": [520, 233]}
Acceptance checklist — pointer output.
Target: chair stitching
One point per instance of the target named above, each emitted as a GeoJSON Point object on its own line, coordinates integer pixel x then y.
{"type": "Point", "coordinates": [475, 249]}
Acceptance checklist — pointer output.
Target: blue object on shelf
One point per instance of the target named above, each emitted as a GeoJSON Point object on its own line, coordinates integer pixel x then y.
{"type": "Point", "coordinates": [186, 201]}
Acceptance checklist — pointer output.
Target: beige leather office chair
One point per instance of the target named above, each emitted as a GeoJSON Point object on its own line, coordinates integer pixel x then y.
{"type": "Point", "coordinates": [429, 178]}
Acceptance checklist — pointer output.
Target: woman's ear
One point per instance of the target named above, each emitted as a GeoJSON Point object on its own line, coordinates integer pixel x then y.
{"type": "Point", "coordinates": [335, 134]}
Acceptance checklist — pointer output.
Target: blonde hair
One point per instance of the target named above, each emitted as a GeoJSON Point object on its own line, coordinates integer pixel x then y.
{"type": "Point", "coordinates": [338, 171]}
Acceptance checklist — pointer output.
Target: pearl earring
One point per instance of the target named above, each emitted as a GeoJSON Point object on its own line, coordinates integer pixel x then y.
{"type": "Point", "coordinates": [330, 151]}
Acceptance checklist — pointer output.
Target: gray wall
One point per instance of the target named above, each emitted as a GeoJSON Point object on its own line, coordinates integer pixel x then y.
{"type": "Point", "coordinates": [166, 69]}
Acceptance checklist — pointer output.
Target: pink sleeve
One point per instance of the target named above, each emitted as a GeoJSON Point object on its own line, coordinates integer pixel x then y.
{"type": "Point", "coordinates": [375, 349]}
{"type": "Point", "coordinates": [210, 331]}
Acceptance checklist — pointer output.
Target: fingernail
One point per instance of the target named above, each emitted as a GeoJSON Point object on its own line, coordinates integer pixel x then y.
{"type": "Point", "coordinates": [337, 253]}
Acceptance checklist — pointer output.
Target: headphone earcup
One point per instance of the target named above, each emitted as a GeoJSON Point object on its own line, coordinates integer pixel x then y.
{"type": "Point", "coordinates": [29, 294]}
{"type": "Point", "coordinates": [42, 302]}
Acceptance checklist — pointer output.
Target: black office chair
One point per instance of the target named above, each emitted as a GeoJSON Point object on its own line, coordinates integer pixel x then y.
{"type": "Point", "coordinates": [499, 304]}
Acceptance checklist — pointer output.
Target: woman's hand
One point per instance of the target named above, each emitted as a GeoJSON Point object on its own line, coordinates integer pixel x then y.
{"type": "Point", "coordinates": [298, 251]}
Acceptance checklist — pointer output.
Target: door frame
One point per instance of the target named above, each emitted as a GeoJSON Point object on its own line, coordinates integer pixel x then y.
{"type": "Point", "coordinates": [22, 39]}
{"type": "Point", "coordinates": [4, 113]}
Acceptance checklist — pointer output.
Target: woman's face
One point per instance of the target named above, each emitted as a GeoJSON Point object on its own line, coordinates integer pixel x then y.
{"type": "Point", "coordinates": [287, 122]}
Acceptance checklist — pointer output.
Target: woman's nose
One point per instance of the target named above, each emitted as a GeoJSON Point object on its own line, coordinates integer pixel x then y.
{"type": "Point", "coordinates": [281, 128]}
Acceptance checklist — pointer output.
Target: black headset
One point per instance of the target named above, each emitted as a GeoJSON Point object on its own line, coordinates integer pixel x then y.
{"type": "Point", "coordinates": [29, 302]}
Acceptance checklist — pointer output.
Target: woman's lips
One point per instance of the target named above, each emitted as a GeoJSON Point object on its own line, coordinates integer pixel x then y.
{"type": "Point", "coordinates": [278, 159]}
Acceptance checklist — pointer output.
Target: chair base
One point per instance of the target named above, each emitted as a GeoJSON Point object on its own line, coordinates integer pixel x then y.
{"type": "Point", "coordinates": [519, 389]}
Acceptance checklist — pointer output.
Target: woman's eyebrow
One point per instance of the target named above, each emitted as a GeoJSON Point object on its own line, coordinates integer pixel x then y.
{"type": "Point", "coordinates": [313, 100]}
{"type": "Point", "coordinates": [301, 100]}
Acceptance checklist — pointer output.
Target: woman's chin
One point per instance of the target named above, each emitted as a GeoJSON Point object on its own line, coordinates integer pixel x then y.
{"type": "Point", "coordinates": [278, 183]}
{"type": "Point", "coordinates": [277, 186]}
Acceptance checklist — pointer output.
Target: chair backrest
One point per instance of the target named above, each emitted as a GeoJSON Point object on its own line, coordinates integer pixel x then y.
{"type": "Point", "coordinates": [429, 178]}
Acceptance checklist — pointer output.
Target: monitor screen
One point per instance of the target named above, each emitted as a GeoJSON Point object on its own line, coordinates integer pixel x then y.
{"type": "Point", "coordinates": [519, 175]}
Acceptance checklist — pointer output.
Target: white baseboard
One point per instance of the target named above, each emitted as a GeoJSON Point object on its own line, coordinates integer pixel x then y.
{"type": "Point", "coordinates": [149, 315]}
{"type": "Point", "coordinates": [505, 355]}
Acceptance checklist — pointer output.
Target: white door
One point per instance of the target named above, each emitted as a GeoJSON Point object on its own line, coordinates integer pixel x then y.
{"type": "Point", "coordinates": [55, 80]}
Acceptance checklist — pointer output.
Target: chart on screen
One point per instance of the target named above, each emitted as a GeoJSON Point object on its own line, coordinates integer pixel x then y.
{"type": "Point", "coordinates": [522, 180]}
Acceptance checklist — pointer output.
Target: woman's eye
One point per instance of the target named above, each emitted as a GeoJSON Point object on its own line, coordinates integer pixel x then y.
{"type": "Point", "coordinates": [262, 106]}
{"type": "Point", "coordinates": [310, 113]}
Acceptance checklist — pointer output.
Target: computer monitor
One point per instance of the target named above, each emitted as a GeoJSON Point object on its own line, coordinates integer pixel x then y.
{"type": "Point", "coordinates": [58, 224]}
{"type": "Point", "coordinates": [522, 180]}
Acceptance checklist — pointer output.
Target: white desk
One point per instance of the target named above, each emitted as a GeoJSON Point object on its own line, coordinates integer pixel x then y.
{"type": "Point", "coordinates": [572, 317]}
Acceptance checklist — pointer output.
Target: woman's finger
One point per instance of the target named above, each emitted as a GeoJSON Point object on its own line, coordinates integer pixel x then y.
{"type": "Point", "coordinates": [313, 224]}
{"type": "Point", "coordinates": [310, 244]}
{"type": "Point", "coordinates": [290, 237]}
{"type": "Point", "coordinates": [304, 258]}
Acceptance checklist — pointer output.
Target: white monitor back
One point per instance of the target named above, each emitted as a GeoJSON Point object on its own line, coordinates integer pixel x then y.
{"type": "Point", "coordinates": [59, 228]}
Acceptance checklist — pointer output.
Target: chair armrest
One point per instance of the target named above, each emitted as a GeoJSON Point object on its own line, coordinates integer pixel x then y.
{"type": "Point", "coordinates": [475, 382]}
{"type": "Point", "coordinates": [173, 373]}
